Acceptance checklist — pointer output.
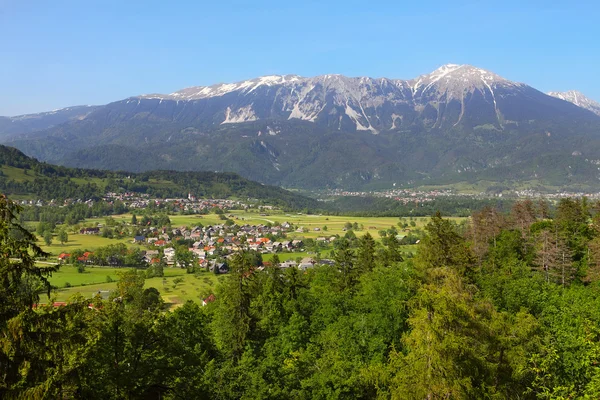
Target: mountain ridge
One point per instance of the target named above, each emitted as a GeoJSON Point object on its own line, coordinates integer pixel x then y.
{"type": "Point", "coordinates": [579, 99]}
{"type": "Point", "coordinates": [332, 131]}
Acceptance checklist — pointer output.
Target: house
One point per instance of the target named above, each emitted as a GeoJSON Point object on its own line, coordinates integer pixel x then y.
{"type": "Point", "coordinates": [139, 239]}
{"type": "Point", "coordinates": [307, 263]}
{"type": "Point", "coordinates": [199, 253]}
{"type": "Point", "coordinates": [209, 299]}
{"type": "Point", "coordinates": [170, 255]}
{"type": "Point", "coordinates": [222, 267]}
{"type": "Point", "coordinates": [297, 243]}
{"type": "Point", "coordinates": [288, 264]}
{"type": "Point", "coordinates": [256, 246]}
{"type": "Point", "coordinates": [277, 246]}
{"type": "Point", "coordinates": [63, 257]}
{"type": "Point", "coordinates": [85, 258]}
{"type": "Point", "coordinates": [89, 231]}
{"type": "Point", "coordinates": [150, 255]}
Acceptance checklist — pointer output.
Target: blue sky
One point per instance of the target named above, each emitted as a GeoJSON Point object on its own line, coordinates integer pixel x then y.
{"type": "Point", "coordinates": [59, 53]}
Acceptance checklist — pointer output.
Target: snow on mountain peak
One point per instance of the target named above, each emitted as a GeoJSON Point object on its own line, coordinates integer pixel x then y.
{"type": "Point", "coordinates": [579, 99]}
{"type": "Point", "coordinates": [455, 80]}
{"type": "Point", "coordinates": [444, 70]}
{"type": "Point", "coordinates": [220, 89]}
{"type": "Point", "coordinates": [307, 98]}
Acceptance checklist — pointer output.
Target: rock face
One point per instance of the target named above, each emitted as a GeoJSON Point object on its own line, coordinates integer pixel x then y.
{"type": "Point", "coordinates": [444, 98]}
{"type": "Point", "coordinates": [457, 123]}
{"type": "Point", "coordinates": [579, 99]}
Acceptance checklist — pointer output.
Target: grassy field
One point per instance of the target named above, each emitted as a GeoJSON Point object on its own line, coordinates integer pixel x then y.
{"type": "Point", "coordinates": [94, 280]}
{"type": "Point", "coordinates": [334, 224]}
{"type": "Point", "coordinates": [17, 174]}
{"type": "Point", "coordinates": [195, 287]}
{"type": "Point", "coordinates": [84, 242]}
{"type": "Point", "coordinates": [68, 276]}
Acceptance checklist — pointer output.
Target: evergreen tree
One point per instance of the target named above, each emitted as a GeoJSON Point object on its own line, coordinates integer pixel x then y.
{"type": "Point", "coordinates": [233, 322]}
{"type": "Point", "coordinates": [21, 282]}
{"type": "Point", "coordinates": [442, 246]}
{"type": "Point", "coordinates": [345, 260]}
{"type": "Point", "coordinates": [365, 256]}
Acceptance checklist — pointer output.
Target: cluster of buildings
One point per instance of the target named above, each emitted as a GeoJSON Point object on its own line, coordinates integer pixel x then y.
{"type": "Point", "coordinates": [534, 194]}
{"type": "Point", "coordinates": [212, 241]}
{"type": "Point", "coordinates": [190, 204]}
{"type": "Point", "coordinates": [404, 196]}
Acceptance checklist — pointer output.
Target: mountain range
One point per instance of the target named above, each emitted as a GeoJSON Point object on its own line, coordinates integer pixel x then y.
{"type": "Point", "coordinates": [457, 124]}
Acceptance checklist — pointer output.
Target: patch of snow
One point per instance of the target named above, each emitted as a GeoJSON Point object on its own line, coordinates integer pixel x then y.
{"type": "Point", "coordinates": [579, 99]}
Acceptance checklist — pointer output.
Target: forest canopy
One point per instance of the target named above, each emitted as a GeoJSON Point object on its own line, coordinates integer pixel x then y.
{"type": "Point", "coordinates": [506, 307]}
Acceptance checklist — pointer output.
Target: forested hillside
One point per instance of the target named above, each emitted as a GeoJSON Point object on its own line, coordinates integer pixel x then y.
{"type": "Point", "coordinates": [26, 177]}
{"type": "Point", "coordinates": [506, 307]}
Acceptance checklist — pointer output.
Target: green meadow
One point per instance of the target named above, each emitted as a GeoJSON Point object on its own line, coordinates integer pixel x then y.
{"type": "Point", "coordinates": [177, 286]}
{"type": "Point", "coordinates": [77, 241]}
{"type": "Point", "coordinates": [193, 287]}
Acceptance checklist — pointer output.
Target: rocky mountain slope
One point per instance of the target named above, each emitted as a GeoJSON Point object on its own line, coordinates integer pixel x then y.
{"type": "Point", "coordinates": [457, 123]}
{"type": "Point", "coordinates": [35, 122]}
{"type": "Point", "coordinates": [579, 99]}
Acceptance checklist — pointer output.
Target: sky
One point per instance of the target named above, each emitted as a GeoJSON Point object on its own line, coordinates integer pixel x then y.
{"type": "Point", "coordinates": [59, 53]}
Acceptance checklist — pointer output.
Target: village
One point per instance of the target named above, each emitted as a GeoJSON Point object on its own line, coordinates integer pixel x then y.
{"type": "Point", "coordinates": [211, 246]}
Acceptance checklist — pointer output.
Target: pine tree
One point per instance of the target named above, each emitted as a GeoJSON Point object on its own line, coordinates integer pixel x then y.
{"type": "Point", "coordinates": [554, 258]}
{"type": "Point", "coordinates": [546, 256]}
{"type": "Point", "coordinates": [485, 227]}
{"type": "Point", "coordinates": [365, 257]}
{"type": "Point", "coordinates": [345, 260]}
{"type": "Point", "coordinates": [442, 246]}
{"type": "Point", "coordinates": [21, 282]}
{"type": "Point", "coordinates": [233, 319]}
{"type": "Point", "coordinates": [523, 214]}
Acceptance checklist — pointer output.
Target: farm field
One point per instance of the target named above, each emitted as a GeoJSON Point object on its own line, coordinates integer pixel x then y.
{"type": "Point", "coordinates": [77, 241]}
{"type": "Point", "coordinates": [94, 280]}
{"type": "Point", "coordinates": [195, 287]}
{"type": "Point", "coordinates": [335, 224]}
